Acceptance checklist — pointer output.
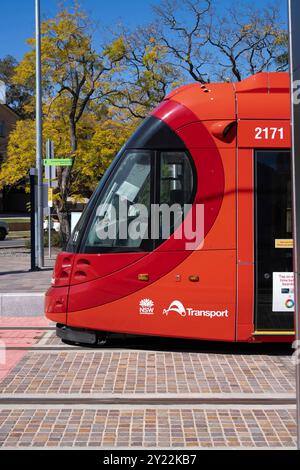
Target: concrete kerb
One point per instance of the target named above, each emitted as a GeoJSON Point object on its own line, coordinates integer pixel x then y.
{"type": "Point", "coordinates": [22, 304]}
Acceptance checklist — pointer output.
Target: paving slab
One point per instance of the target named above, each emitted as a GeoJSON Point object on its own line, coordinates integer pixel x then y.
{"type": "Point", "coordinates": [22, 304]}
{"type": "Point", "coordinates": [24, 323]}
{"type": "Point", "coordinates": [17, 337]}
{"type": "Point", "coordinates": [21, 291]}
{"type": "Point", "coordinates": [123, 396]}
{"type": "Point", "coordinates": [15, 275]}
{"type": "Point", "coordinates": [119, 372]}
{"type": "Point", "coordinates": [66, 427]}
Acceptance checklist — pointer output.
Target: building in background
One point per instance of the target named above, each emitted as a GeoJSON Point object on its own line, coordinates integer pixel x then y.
{"type": "Point", "coordinates": [11, 200]}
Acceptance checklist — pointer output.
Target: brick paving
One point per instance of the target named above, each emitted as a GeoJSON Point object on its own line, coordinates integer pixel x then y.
{"type": "Point", "coordinates": [117, 372]}
{"type": "Point", "coordinates": [17, 338]}
{"type": "Point", "coordinates": [138, 372]}
{"type": "Point", "coordinates": [161, 428]}
{"type": "Point", "coordinates": [11, 359]}
{"type": "Point", "coordinates": [53, 340]}
{"type": "Point", "coordinates": [20, 338]}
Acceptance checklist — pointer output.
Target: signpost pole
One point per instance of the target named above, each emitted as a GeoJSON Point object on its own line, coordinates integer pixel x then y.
{"type": "Point", "coordinates": [39, 142]}
{"type": "Point", "coordinates": [32, 218]}
{"type": "Point", "coordinates": [294, 36]}
{"type": "Point", "coordinates": [49, 228]}
{"type": "Point", "coordinates": [50, 170]}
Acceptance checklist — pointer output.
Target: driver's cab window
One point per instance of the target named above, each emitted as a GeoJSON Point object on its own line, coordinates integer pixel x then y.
{"type": "Point", "coordinates": [124, 219]}
{"type": "Point", "coordinates": [119, 206]}
{"type": "Point", "coordinates": [176, 178]}
{"type": "Point", "coordinates": [176, 188]}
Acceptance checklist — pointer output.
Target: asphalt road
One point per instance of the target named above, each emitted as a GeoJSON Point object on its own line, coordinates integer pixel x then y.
{"type": "Point", "coordinates": [18, 243]}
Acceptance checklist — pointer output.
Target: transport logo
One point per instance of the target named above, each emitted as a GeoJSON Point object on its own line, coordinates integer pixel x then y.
{"type": "Point", "coordinates": [146, 307]}
{"type": "Point", "coordinates": [178, 307]}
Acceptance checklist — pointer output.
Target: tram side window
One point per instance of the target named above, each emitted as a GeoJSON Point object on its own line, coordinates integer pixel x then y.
{"type": "Point", "coordinates": [176, 186]}
{"type": "Point", "coordinates": [121, 218]}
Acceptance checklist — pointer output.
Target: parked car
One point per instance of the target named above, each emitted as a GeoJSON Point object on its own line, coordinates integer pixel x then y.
{"type": "Point", "coordinates": [3, 230]}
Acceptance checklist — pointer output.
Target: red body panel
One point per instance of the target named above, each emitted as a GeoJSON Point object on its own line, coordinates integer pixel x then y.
{"type": "Point", "coordinates": [278, 133]}
{"type": "Point", "coordinates": [89, 268]}
{"type": "Point", "coordinates": [56, 304]}
{"type": "Point", "coordinates": [245, 246]}
{"type": "Point", "coordinates": [219, 125]}
{"type": "Point", "coordinates": [124, 315]}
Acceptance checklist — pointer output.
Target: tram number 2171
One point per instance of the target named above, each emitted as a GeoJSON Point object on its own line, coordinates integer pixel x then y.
{"type": "Point", "coordinates": [269, 133]}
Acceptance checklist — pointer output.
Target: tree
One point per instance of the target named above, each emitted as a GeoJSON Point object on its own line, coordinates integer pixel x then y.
{"type": "Point", "coordinates": [209, 46]}
{"type": "Point", "coordinates": [92, 101]}
{"type": "Point", "coordinates": [247, 40]}
{"type": "Point", "coordinates": [282, 58]}
{"type": "Point", "coordinates": [146, 75]}
{"type": "Point", "coordinates": [96, 154]}
{"type": "Point", "coordinates": [184, 35]}
{"type": "Point", "coordinates": [98, 143]}
{"type": "Point", "coordinates": [21, 154]}
{"type": "Point", "coordinates": [94, 98]}
{"type": "Point", "coordinates": [18, 96]}
{"type": "Point", "coordinates": [75, 74]}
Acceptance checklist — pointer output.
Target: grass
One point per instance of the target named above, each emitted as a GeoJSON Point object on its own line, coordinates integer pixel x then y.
{"type": "Point", "coordinates": [13, 235]}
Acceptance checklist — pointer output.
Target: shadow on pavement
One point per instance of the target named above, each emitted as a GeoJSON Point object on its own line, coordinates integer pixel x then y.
{"type": "Point", "coordinates": [195, 346]}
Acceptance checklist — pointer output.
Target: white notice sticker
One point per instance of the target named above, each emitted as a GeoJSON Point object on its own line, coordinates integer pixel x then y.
{"type": "Point", "coordinates": [283, 292]}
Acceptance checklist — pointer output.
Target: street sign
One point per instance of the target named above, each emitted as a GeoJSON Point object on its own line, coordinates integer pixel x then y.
{"type": "Point", "coordinates": [58, 162]}
{"type": "Point", "coordinates": [50, 197]}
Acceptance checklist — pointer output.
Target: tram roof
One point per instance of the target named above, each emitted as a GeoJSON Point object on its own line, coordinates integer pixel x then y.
{"type": "Point", "coordinates": [261, 96]}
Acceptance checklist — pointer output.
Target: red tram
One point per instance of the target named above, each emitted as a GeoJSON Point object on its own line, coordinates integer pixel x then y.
{"type": "Point", "coordinates": [225, 147]}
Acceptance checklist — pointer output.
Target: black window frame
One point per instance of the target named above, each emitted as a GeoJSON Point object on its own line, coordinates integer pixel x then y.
{"type": "Point", "coordinates": [263, 322]}
{"type": "Point", "coordinates": [111, 250]}
{"type": "Point", "coordinates": [158, 158]}
{"type": "Point", "coordinates": [155, 159]}
{"type": "Point", "coordinates": [154, 135]}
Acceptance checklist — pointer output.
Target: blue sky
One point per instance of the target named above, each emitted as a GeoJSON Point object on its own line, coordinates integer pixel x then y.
{"type": "Point", "coordinates": [17, 17]}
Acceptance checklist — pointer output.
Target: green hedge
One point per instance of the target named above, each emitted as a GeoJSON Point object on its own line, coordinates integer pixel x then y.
{"type": "Point", "coordinates": [55, 240]}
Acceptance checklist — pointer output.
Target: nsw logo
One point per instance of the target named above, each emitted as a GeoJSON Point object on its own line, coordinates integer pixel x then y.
{"type": "Point", "coordinates": [146, 307]}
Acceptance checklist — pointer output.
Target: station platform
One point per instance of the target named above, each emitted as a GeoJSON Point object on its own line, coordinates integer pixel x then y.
{"type": "Point", "coordinates": [149, 393]}
{"type": "Point", "coordinates": [21, 291]}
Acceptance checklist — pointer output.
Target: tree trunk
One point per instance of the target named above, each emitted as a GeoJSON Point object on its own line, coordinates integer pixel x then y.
{"type": "Point", "coordinates": [64, 184]}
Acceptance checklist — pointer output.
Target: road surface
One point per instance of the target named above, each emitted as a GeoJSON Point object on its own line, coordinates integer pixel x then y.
{"type": "Point", "coordinates": [18, 243]}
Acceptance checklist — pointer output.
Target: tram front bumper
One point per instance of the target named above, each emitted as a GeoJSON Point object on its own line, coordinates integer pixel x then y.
{"type": "Point", "coordinates": [74, 335]}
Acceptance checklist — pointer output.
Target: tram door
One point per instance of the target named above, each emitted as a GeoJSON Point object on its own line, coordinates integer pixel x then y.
{"type": "Point", "coordinates": [274, 244]}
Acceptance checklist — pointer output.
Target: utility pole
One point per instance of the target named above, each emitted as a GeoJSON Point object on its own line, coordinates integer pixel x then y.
{"type": "Point", "coordinates": [50, 177]}
{"type": "Point", "coordinates": [32, 178]}
{"type": "Point", "coordinates": [39, 141]}
{"type": "Point", "coordinates": [294, 37]}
